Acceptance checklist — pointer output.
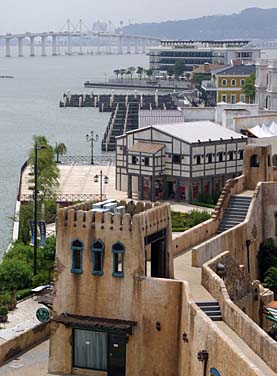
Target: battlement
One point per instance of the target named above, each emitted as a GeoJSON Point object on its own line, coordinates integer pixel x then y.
{"type": "Point", "coordinates": [147, 216]}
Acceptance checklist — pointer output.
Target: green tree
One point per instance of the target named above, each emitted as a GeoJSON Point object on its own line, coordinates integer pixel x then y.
{"type": "Point", "coordinates": [128, 72]}
{"type": "Point", "coordinates": [116, 72]}
{"type": "Point", "coordinates": [249, 88]}
{"type": "Point", "coordinates": [15, 275]}
{"type": "Point", "coordinates": [199, 77]}
{"type": "Point", "coordinates": [122, 72]}
{"type": "Point", "coordinates": [149, 72]}
{"type": "Point", "coordinates": [131, 71]}
{"type": "Point", "coordinates": [267, 257]}
{"type": "Point", "coordinates": [170, 70]}
{"type": "Point", "coordinates": [179, 68]}
{"type": "Point", "coordinates": [271, 279]}
{"type": "Point", "coordinates": [48, 173]}
{"type": "Point", "coordinates": [140, 72]}
{"type": "Point", "coordinates": [60, 149]}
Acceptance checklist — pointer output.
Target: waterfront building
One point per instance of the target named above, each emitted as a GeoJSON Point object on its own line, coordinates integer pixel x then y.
{"type": "Point", "coordinates": [177, 161]}
{"type": "Point", "coordinates": [226, 84]}
{"type": "Point", "coordinates": [266, 84]}
{"type": "Point", "coordinates": [196, 53]}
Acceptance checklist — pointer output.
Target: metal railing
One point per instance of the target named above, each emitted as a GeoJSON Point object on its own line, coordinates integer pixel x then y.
{"type": "Point", "coordinates": [86, 159]}
{"type": "Point", "coordinates": [68, 198]}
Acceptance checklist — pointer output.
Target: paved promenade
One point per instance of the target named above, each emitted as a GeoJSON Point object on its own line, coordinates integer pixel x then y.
{"type": "Point", "coordinates": [22, 318]}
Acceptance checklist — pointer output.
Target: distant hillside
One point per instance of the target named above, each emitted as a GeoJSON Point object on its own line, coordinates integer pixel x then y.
{"type": "Point", "coordinates": [250, 23]}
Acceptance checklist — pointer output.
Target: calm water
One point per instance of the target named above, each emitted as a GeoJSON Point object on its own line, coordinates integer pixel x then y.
{"type": "Point", "coordinates": [29, 106]}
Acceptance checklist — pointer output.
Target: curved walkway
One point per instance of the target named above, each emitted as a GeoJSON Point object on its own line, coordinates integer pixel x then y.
{"type": "Point", "coordinates": [183, 270]}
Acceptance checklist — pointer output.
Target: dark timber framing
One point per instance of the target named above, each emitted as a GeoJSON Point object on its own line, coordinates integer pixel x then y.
{"type": "Point", "coordinates": [167, 176]}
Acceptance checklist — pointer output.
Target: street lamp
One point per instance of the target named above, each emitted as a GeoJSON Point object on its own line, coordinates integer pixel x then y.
{"type": "Point", "coordinates": [37, 147]}
{"type": "Point", "coordinates": [102, 178]}
{"type": "Point", "coordinates": [91, 139]}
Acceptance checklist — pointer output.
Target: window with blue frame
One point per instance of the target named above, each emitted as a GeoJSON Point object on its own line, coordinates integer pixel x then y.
{"type": "Point", "coordinates": [97, 250]}
{"type": "Point", "coordinates": [118, 251]}
{"type": "Point", "coordinates": [77, 250]}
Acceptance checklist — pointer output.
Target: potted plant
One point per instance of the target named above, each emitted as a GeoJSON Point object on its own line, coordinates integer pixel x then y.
{"type": "Point", "coordinates": [3, 314]}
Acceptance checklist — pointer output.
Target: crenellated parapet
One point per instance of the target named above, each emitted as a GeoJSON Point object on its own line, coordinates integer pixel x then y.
{"type": "Point", "coordinates": [149, 217]}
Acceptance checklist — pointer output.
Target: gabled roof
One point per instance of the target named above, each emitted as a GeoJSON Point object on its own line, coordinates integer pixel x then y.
{"type": "Point", "coordinates": [235, 70]}
{"type": "Point", "coordinates": [207, 68]}
{"type": "Point", "coordinates": [146, 147]}
{"type": "Point", "coordinates": [198, 131]}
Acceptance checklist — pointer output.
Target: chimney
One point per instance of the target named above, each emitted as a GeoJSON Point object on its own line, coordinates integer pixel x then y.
{"type": "Point", "coordinates": [207, 68]}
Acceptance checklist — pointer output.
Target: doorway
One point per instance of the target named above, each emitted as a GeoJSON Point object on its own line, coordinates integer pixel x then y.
{"type": "Point", "coordinates": [158, 263]}
{"type": "Point", "coordinates": [99, 351]}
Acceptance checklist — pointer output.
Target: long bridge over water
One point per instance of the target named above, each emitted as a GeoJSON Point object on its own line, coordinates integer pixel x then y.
{"type": "Point", "coordinates": [112, 40]}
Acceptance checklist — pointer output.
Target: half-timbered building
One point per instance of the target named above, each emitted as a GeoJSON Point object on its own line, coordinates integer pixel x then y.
{"type": "Point", "coordinates": [177, 161]}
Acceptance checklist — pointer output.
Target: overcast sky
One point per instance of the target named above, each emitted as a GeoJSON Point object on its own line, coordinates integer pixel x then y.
{"type": "Point", "coordinates": [47, 15]}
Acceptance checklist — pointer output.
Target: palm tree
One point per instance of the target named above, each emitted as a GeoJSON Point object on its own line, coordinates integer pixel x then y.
{"type": "Point", "coordinates": [128, 72]}
{"type": "Point", "coordinates": [132, 71]}
{"type": "Point", "coordinates": [140, 72]}
{"type": "Point", "coordinates": [149, 73]}
{"type": "Point", "coordinates": [122, 72]}
{"type": "Point", "coordinates": [116, 72]}
{"type": "Point", "coordinates": [60, 149]}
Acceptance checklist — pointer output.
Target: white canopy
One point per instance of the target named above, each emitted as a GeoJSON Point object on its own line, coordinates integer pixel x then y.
{"type": "Point", "coordinates": [273, 128]}
{"type": "Point", "coordinates": [267, 130]}
{"type": "Point", "coordinates": [259, 132]}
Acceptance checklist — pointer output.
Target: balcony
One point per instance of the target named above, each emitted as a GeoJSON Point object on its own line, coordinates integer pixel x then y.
{"type": "Point", "coordinates": [208, 85]}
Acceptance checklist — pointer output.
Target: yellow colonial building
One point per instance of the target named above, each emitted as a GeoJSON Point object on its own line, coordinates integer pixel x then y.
{"type": "Point", "coordinates": [226, 84]}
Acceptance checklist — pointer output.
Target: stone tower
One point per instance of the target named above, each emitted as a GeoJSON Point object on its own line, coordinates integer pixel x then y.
{"type": "Point", "coordinates": [266, 84]}
{"type": "Point", "coordinates": [113, 297]}
{"type": "Point", "coordinates": [257, 165]}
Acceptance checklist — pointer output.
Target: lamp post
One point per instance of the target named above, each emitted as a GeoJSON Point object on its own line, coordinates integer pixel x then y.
{"type": "Point", "coordinates": [102, 178]}
{"type": "Point", "coordinates": [37, 147]}
{"type": "Point", "coordinates": [91, 139]}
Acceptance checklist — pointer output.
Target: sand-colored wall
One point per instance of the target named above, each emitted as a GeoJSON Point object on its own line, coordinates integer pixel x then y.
{"type": "Point", "coordinates": [234, 240]}
{"type": "Point", "coordinates": [240, 322]}
{"type": "Point", "coordinates": [204, 334]}
{"type": "Point", "coordinates": [153, 300]}
{"type": "Point", "coordinates": [207, 229]}
{"type": "Point", "coordinates": [133, 297]}
{"type": "Point", "coordinates": [22, 342]}
{"type": "Point", "coordinates": [269, 210]}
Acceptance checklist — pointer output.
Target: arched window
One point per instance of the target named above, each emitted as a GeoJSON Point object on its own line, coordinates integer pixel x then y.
{"type": "Point", "coordinates": [118, 251]}
{"type": "Point", "coordinates": [97, 254]}
{"type": "Point", "coordinates": [254, 161]}
{"type": "Point", "coordinates": [274, 160]}
{"type": "Point", "coordinates": [77, 249]}
{"type": "Point", "coordinates": [240, 152]}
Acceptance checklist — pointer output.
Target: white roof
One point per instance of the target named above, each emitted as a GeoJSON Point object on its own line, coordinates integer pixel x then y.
{"type": "Point", "coordinates": [267, 130]}
{"type": "Point", "coordinates": [196, 131]}
{"type": "Point", "coordinates": [273, 128]}
{"type": "Point", "coordinates": [262, 131]}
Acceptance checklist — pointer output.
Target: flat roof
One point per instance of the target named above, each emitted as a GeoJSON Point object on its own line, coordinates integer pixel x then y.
{"type": "Point", "coordinates": [198, 131]}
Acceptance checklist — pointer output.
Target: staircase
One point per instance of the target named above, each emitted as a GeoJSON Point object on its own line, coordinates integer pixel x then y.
{"type": "Point", "coordinates": [235, 213]}
{"type": "Point", "coordinates": [212, 310]}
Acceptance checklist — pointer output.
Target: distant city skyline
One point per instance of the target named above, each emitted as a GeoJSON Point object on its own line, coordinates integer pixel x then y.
{"type": "Point", "coordinates": [32, 15]}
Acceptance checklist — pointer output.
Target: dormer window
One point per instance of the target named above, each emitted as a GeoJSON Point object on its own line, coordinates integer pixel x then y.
{"type": "Point", "coordinates": [77, 249]}
{"type": "Point", "coordinates": [97, 250]}
{"type": "Point", "coordinates": [118, 251]}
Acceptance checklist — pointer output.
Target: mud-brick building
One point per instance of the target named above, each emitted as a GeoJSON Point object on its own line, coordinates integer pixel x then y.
{"type": "Point", "coordinates": [177, 161]}
{"type": "Point", "coordinates": [109, 309]}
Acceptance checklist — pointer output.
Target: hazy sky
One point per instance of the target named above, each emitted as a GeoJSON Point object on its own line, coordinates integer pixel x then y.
{"type": "Point", "coordinates": [47, 15]}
